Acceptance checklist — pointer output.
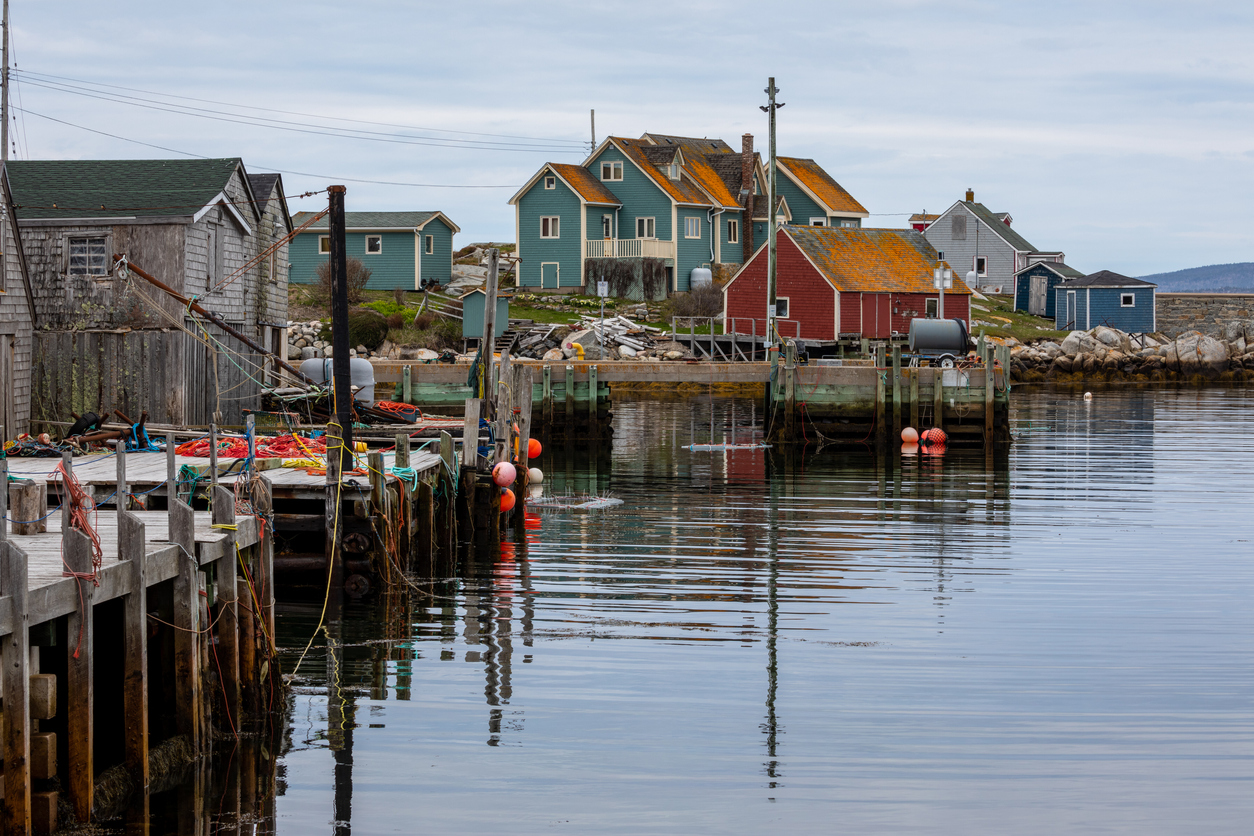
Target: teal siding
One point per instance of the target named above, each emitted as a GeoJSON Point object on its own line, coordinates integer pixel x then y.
{"type": "Point", "coordinates": [595, 214]}
{"type": "Point", "coordinates": [730, 253]}
{"type": "Point", "coordinates": [799, 203]}
{"type": "Point", "coordinates": [439, 264]}
{"type": "Point", "coordinates": [540, 202]}
{"type": "Point", "coordinates": [641, 197]}
{"type": "Point", "coordinates": [391, 268]}
{"type": "Point", "coordinates": [473, 305]}
{"type": "Point", "coordinates": [691, 252]}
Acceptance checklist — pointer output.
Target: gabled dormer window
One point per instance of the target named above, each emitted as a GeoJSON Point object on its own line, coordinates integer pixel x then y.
{"type": "Point", "coordinates": [673, 171]}
{"type": "Point", "coordinates": [611, 171]}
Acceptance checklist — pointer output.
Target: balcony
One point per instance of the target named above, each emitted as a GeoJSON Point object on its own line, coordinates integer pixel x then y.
{"type": "Point", "coordinates": [629, 248]}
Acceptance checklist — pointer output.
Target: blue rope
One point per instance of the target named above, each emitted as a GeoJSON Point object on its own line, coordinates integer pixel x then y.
{"type": "Point", "coordinates": [139, 442]}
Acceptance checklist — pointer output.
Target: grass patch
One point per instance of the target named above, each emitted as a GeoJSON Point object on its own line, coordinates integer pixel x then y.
{"type": "Point", "coordinates": [1004, 321]}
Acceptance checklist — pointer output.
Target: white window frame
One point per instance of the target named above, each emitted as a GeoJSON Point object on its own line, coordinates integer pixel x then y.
{"type": "Point", "coordinates": [550, 183]}
{"type": "Point", "coordinates": [931, 308]}
{"type": "Point", "coordinates": [940, 255]}
{"type": "Point", "coordinates": [691, 223]}
{"type": "Point", "coordinates": [648, 226]}
{"type": "Point", "coordinates": [615, 171]}
{"type": "Point", "coordinates": [787, 307]}
{"type": "Point", "coordinates": [324, 245]}
{"type": "Point", "coordinates": [607, 226]}
{"type": "Point", "coordinates": [818, 221]}
{"type": "Point", "coordinates": [550, 226]}
{"type": "Point", "coordinates": [86, 272]}
{"type": "Point", "coordinates": [733, 231]}
{"type": "Point", "coordinates": [1127, 300]}
{"type": "Point", "coordinates": [975, 265]}
{"type": "Point", "coordinates": [370, 238]}
{"type": "Point", "coordinates": [428, 245]}
{"type": "Point", "coordinates": [849, 223]}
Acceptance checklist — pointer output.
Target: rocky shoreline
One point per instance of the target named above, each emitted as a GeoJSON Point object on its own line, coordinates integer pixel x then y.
{"type": "Point", "coordinates": [1106, 354]}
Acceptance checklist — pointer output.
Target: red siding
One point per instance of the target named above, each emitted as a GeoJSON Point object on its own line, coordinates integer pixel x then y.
{"type": "Point", "coordinates": [811, 300]}
{"type": "Point", "coordinates": [878, 315]}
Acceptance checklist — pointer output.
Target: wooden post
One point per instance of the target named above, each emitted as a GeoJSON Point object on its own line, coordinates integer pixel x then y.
{"type": "Point", "coordinates": [171, 471]}
{"type": "Point", "coordinates": [334, 532]}
{"type": "Point", "coordinates": [16, 716]}
{"type": "Point", "coordinates": [28, 506]}
{"type": "Point", "coordinates": [378, 483]}
{"type": "Point", "coordinates": [881, 407]}
{"type": "Point", "coordinates": [489, 314]}
{"type": "Point", "coordinates": [407, 389]}
{"type": "Point", "coordinates": [182, 526]}
{"type": "Point", "coordinates": [79, 679]}
{"type": "Point", "coordinates": [67, 462]}
{"type": "Point", "coordinates": [4, 494]}
{"type": "Point", "coordinates": [988, 396]}
{"type": "Point", "coordinates": [594, 423]}
{"type": "Point", "coordinates": [896, 391]}
{"type": "Point", "coordinates": [523, 392]}
{"type": "Point", "coordinates": [213, 459]}
{"type": "Point", "coordinates": [446, 451]}
{"type": "Point", "coordinates": [341, 377]}
{"type": "Point", "coordinates": [938, 398]}
{"type": "Point", "coordinates": [790, 391]}
{"type": "Point", "coordinates": [546, 399]}
{"type": "Point", "coordinates": [132, 547]}
{"type": "Point", "coordinates": [402, 450]}
{"type": "Point", "coordinates": [228, 606]}
{"type": "Point", "coordinates": [913, 372]}
{"type": "Point", "coordinates": [570, 399]}
{"type": "Point", "coordinates": [470, 434]}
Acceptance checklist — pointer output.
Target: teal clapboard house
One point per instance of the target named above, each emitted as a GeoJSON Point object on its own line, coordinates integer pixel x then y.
{"type": "Point", "coordinates": [1108, 299]}
{"type": "Point", "coordinates": [678, 203]}
{"type": "Point", "coordinates": [401, 249]}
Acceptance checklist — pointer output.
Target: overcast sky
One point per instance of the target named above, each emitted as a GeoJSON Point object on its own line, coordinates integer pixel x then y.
{"type": "Point", "coordinates": [1121, 133]}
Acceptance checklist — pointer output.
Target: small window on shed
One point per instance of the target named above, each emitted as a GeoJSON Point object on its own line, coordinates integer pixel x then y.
{"type": "Point", "coordinates": [930, 306]}
{"type": "Point", "coordinates": [550, 182]}
{"type": "Point", "coordinates": [429, 245]}
{"type": "Point", "coordinates": [324, 244]}
{"type": "Point", "coordinates": [374, 244]}
{"type": "Point", "coordinates": [1127, 300]}
{"type": "Point", "coordinates": [781, 307]}
{"type": "Point", "coordinates": [88, 256]}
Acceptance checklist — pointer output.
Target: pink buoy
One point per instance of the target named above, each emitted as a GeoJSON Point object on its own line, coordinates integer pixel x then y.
{"type": "Point", "coordinates": [933, 436]}
{"type": "Point", "coordinates": [910, 435]}
{"type": "Point", "coordinates": [504, 474]}
{"type": "Point", "coordinates": [909, 449]}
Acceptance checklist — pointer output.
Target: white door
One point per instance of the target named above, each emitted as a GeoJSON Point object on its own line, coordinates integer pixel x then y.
{"type": "Point", "coordinates": [1036, 295]}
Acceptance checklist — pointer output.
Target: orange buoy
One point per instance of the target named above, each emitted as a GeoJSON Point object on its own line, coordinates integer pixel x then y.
{"type": "Point", "coordinates": [507, 500]}
{"type": "Point", "coordinates": [934, 450]}
{"type": "Point", "coordinates": [910, 435]}
{"type": "Point", "coordinates": [933, 436]}
{"type": "Point", "coordinates": [534, 449]}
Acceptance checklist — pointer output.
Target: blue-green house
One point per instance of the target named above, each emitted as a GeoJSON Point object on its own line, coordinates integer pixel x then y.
{"type": "Point", "coordinates": [1034, 285]}
{"type": "Point", "coordinates": [401, 249]}
{"type": "Point", "coordinates": [679, 202]}
{"type": "Point", "coordinates": [1106, 298]}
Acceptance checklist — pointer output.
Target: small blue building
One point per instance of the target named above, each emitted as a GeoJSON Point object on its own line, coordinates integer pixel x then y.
{"type": "Point", "coordinates": [1034, 286]}
{"type": "Point", "coordinates": [474, 304]}
{"type": "Point", "coordinates": [401, 249]}
{"type": "Point", "coordinates": [1108, 299]}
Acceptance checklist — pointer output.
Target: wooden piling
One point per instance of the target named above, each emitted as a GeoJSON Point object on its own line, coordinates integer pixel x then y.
{"type": "Point", "coordinates": [132, 548]}
{"type": "Point", "coordinates": [913, 373]}
{"type": "Point", "coordinates": [881, 406]}
{"type": "Point", "coordinates": [987, 354]}
{"type": "Point", "coordinates": [182, 527]}
{"type": "Point", "coordinates": [16, 716]}
{"type": "Point", "coordinates": [790, 391]}
{"type": "Point", "coordinates": [594, 420]}
{"type": "Point", "coordinates": [334, 532]}
{"type": "Point", "coordinates": [546, 398]}
{"type": "Point", "coordinates": [938, 398]}
{"type": "Point", "coordinates": [227, 650]}
{"type": "Point", "coordinates": [407, 390]}
{"type": "Point", "coordinates": [570, 398]}
{"type": "Point", "coordinates": [896, 391]}
{"type": "Point", "coordinates": [28, 507]}
{"type": "Point", "coordinates": [79, 679]}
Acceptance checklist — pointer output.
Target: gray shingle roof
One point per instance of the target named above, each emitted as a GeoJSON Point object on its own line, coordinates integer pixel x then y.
{"type": "Point", "coordinates": [993, 220]}
{"type": "Point", "coordinates": [371, 220]}
{"type": "Point", "coordinates": [262, 185]}
{"type": "Point", "coordinates": [1105, 278]}
{"type": "Point", "coordinates": [1058, 267]}
{"type": "Point", "coordinates": [116, 188]}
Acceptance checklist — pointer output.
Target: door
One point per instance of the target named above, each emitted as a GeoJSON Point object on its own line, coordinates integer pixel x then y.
{"type": "Point", "coordinates": [1036, 295]}
{"type": "Point", "coordinates": [549, 274]}
{"type": "Point", "coordinates": [1071, 311]}
{"type": "Point", "coordinates": [876, 315]}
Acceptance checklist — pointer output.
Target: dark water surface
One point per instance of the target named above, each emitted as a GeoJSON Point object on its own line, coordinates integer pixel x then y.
{"type": "Point", "coordinates": [1057, 640]}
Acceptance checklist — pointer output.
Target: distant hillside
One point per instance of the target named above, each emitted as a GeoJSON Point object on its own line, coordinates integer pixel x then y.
{"type": "Point", "coordinates": [1217, 278]}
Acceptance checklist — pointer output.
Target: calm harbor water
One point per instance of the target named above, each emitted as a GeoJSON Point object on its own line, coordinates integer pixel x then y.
{"type": "Point", "coordinates": [1054, 640]}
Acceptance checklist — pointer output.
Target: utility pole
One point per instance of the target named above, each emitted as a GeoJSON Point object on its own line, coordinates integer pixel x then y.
{"type": "Point", "coordinates": [341, 371]}
{"type": "Point", "coordinates": [4, 91]}
{"type": "Point", "coordinates": [594, 123]}
{"type": "Point", "coordinates": [771, 286]}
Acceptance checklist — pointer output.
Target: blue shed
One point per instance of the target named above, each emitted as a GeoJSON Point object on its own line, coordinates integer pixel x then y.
{"type": "Point", "coordinates": [473, 304]}
{"type": "Point", "coordinates": [1034, 286]}
{"type": "Point", "coordinates": [1108, 299]}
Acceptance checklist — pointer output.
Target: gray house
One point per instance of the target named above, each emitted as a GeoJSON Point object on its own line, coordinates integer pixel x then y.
{"type": "Point", "coordinates": [17, 313]}
{"type": "Point", "coordinates": [104, 339]}
{"type": "Point", "coordinates": [971, 237]}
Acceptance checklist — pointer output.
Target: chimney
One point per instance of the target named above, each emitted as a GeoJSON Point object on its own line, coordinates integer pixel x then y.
{"type": "Point", "coordinates": [970, 196]}
{"type": "Point", "coordinates": [746, 196]}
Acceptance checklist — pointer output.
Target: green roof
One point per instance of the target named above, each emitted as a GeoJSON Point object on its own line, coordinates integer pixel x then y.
{"type": "Point", "coordinates": [116, 188]}
{"type": "Point", "coordinates": [1002, 230]}
{"type": "Point", "coordinates": [371, 220]}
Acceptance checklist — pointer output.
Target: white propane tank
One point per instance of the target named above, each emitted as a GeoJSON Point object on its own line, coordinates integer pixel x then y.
{"type": "Point", "coordinates": [361, 375]}
{"type": "Point", "coordinates": [700, 277]}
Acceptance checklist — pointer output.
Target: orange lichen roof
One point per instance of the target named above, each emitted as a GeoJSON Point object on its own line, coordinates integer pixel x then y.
{"type": "Point", "coordinates": [679, 190]}
{"type": "Point", "coordinates": [708, 179]}
{"type": "Point", "coordinates": [589, 187]}
{"type": "Point", "coordinates": [922, 217]}
{"type": "Point", "coordinates": [871, 260]}
{"type": "Point", "coordinates": [814, 178]}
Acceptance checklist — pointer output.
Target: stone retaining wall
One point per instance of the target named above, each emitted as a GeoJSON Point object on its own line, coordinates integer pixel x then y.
{"type": "Point", "coordinates": [1222, 315]}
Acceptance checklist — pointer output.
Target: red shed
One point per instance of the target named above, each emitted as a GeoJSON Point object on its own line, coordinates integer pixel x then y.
{"type": "Point", "coordinates": [843, 281]}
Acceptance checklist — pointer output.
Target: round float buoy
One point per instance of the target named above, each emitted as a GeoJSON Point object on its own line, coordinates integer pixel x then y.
{"type": "Point", "coordinates": [535, 475]}
{"type": "Point", "coordinates": [910, 435]}
{"type": "Point", "coordinates": [934, 450]}
{"type": "Point", "coordinates": [534, 449]}
{"type": "Point", "coordinates": [933, 436]}
{"type": "Point", "coordinates": [1088, 396]}
{"type": "Point", "coordinates": [908, 449]}
{"type": "Point", "coordinates": [507, 500]}
{"type": "Point", "coordinates": [504, 474]}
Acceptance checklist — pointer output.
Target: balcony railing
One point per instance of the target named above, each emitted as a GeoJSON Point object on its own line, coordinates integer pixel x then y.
{"type": "Point", "coordinates": [629, 248]}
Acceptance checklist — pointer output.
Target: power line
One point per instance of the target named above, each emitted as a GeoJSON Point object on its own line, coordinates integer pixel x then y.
{"type": "Point", "coordinates": [273, 168]}
{"type": "Point", "coordinates": [577, 142]}
{"type": "Point", "coordinates": [299, 127]}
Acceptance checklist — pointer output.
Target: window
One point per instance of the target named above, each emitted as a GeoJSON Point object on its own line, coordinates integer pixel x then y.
{"type": "Point", "coordinates": [692, 227]}
{"type": "Point", "coordinates": [818, 222]}
{"type": "Point", "coordinates": [781, 307]}
{"type": "Point", "coordinates": [550, 182]}
{"type": "Point", "coordinates": [611, 171]}
{"type": "Point", "coordinates": [550, 227]}
{"type": "Point", "coordinates": [645, 228]}
{"type": "Point", "coordinates": [981, 265]}
{"type": "Point", "coordinates": [374, 244]}
{"type": "Point", "coordinates": [958, 228]}
{"type": "Point", "coordinates": [673, 171]}
{"type": "Point", "coordinates": [930, 308]}
{"type": "Point", "coordinates": [429, 245]}
{"type": "Point", "coordinates": [89, 257]}
{"type": "Point", "coordinates": [607, 226]}
{"type": "Point", "coordinates": [849, 224]}
{"type": "Point", "coordinates": [733, 232]}
{"type": "Point", "coordinates": [1127, 300]}
{"type": "Point", "coordinates": [324, 244]}
{"type": "Point", "coordinates": [940, 255]}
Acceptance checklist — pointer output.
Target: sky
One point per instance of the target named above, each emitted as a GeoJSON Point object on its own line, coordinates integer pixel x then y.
{"type": "Point", "coordinates": [1120, 133]}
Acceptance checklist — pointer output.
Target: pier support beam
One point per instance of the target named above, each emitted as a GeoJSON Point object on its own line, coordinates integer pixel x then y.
{"type": "Point", "coordinates": [896, 393]}
{"type": "Point", "coordinates": [913, 373]}
{"type": "Point", "coordinates": [182, 527]}
{"type": "Point", "coordinates": [16, 717]}
{"type": "Point", "coordinates": [132, 548]}
{"type": "Point", "coordinates": [227, 650]}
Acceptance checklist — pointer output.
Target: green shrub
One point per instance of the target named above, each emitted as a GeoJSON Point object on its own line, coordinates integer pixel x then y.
{"type": "Point", "coordinates": [706, 300]}
{"type": "Point", "coordinates": [365, 327]}
{"type": "Point", "coordinates": [387, 307]}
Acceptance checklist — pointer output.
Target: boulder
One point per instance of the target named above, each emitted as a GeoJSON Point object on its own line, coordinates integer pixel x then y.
{"type": "Point", "coordinates": [1199, 354]}
{"type": "Point", "coordinates": [679, 355]}
{"type": "Point", "coordinates": [1049, 349]}
{"type": "Point", "coordinates": [1063, 363]}
{"type": "Point", "coordinates": [1109, 336]}
{"type": "Point", "coordinates": [1234, 330]}
{"type": "Point", "coordinates": [554, 354]}
{"type": "Point", "coordinates": [1079, 342]}
{"type": "Point", "coordinates": [627, 353]}
{"type": "Point", "coordinates": [293, 352]}
{"type": "Point", "coordinates": [308, 353]}
{"type": "Point", "coordinates": [1238, 347]}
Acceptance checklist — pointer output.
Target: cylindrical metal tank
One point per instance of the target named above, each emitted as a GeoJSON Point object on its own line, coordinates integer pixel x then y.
{"type": "Point", "coordinates": [938, 335]}
{"type": "Point", "coordinates": [361, 375]}
{"type": "Point", "coordinates": [700, 277]}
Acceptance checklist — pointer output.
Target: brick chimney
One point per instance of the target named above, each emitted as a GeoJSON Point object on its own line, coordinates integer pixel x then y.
{"type": "Point", "coordinates": [970, 196]}
{"type": "Point", "coordinates": [746, 196]}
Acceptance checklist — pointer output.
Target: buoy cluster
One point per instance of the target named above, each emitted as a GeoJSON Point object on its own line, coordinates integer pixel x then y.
{"type": "Point", "coordinates": [505, 474]}
{"type": "Point", "coordinates": [932, 441]}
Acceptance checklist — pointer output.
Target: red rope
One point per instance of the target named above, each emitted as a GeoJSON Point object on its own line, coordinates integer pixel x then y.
{"type": "Point", "coordinates": [82, 510]}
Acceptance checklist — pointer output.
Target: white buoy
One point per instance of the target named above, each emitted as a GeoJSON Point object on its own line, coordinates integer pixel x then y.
{"type": "Point", "coordinates": [1088, 396]}
{"type": "Point", "coordinates": [535, 475]}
